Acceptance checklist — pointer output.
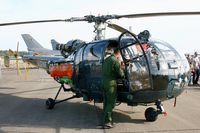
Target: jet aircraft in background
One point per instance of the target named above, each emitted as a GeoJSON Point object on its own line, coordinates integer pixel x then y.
{"type": "Point", "coordinates": [36, 48]}
{"type": "Point", "coordinates": [54, 44]}
{"type": "Point", "coordinates": [38, 55]}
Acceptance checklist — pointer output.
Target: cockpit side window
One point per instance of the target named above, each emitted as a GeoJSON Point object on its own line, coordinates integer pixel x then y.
{"type": "Point", "coordinates": [93, 52]}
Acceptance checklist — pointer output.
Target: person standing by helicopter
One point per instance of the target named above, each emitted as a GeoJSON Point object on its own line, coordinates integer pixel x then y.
{"type": "Point", "coordinates": [111, 72]}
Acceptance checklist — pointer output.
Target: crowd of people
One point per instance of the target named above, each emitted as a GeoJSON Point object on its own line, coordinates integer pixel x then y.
{"type": "Point", "coordinates": [194, 62]}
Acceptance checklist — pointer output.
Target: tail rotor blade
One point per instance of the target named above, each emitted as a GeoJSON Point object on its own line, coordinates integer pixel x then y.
{"type": "Point", "coordinates": [27, 69]}
{"type": "Point", "coordinates": [17, 46]}
{"type": "Point", "coordinates": [18, 68]}
{"type": "Point", "coordinates": [17, 61]}
{"type": "Point", "coordinates": [11, 52]}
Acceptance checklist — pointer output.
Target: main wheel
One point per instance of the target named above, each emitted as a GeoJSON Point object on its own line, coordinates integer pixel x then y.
{"type": "Point", "coordinates": [151, 114]}
{"type": "Point", "coordinates": [50, 103]}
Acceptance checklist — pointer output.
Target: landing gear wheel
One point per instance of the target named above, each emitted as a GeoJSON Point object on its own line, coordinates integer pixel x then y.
{"type": "Point", "coordinates": [50, 103]}
{"type": "Point", "coordinates": [151, 114]}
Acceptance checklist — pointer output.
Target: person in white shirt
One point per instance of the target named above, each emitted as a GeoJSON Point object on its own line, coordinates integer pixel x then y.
{"type": "Point", "coordinates": [196, 64]}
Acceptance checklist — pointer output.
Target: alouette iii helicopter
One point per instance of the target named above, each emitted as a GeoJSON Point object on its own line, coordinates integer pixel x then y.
{"type": "Point", "coordinates": [154, 70]}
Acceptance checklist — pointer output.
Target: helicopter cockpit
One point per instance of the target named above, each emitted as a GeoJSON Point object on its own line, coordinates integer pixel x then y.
{"type": "Point", "coordinates": [152, 65]}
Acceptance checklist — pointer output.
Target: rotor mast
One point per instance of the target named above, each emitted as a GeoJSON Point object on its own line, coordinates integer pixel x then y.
{"type": "Point", "coordinates": [99, 24]}
{"type": "Point", "coordinates": [98, 30]}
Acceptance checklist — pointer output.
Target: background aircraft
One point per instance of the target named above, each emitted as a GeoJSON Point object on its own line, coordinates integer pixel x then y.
{"type": "Point", "coordinates": [54, 44]}
{"type": "Point", "coordinates": [38, 55]}
{"type": "Point", "coordinates": [36, 48]}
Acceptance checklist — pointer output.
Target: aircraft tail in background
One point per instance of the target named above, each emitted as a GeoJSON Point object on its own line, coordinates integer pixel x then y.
{"type": "Point", "coordinates": [53, 44]}
{"type": "Point", "coordinates": [39, 56]}
{"type": "Point", "coordinates": [36, 48]}
{"type": "Point", "coordinates": [31, 42]}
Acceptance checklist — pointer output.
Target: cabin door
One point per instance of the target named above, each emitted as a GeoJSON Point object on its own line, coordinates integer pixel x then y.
{"type": "Point", "coordinates": [136, 64]}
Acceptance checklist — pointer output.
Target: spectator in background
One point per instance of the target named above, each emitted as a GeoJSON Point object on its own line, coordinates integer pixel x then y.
{"type": "Point", "coordinates": [196, 64]}
{"type": "Point", "coordinates": [190, 76]}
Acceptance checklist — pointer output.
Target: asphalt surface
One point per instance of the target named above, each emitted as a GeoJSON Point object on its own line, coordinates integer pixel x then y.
{"type": "Point", "coordinates": [22, 110]}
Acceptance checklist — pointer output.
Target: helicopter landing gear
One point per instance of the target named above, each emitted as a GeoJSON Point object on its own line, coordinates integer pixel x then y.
{"type": "Point", "coordinates": [151, 114]}
{"type": "Point", "coordinates": [50, 103]}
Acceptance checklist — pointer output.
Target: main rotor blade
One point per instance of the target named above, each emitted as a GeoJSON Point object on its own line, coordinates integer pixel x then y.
{"type": "Point", "coordinates": [117, 27]}
{"type": "Point", "coordinates": [141, 15]}
{"type": "Point", "coordinates": [104, 18]}
{"type": "Point", "coordinates": [31, 22]}
{"type": "Point", "coordinates": [45, 21]}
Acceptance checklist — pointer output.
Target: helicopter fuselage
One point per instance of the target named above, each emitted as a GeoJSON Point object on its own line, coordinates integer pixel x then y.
{"type": "Point", "coordinates": [161, 75]}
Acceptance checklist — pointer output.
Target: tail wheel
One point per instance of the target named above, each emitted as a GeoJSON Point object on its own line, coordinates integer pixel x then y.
{"type": "Point", "coordinates": [50, 103]}
{"type": "Point", "coordinates": [151, 114]}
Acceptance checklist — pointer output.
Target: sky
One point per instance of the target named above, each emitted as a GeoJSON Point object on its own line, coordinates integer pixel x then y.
{"type": "Point", "coordinates": [182, 32]}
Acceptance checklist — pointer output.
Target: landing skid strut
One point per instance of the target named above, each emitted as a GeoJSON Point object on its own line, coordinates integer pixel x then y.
{"type": "Point", "coordinates": [50, 103]}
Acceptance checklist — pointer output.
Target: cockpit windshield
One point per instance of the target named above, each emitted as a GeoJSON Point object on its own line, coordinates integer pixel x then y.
{"type": "Point", "coordinates": [169, 57]}
{"type": "Point", "coordinates": [166, 50]}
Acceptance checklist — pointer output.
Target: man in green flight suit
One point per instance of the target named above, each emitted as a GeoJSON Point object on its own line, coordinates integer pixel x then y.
{"type": "Point", "coordinates": [111, 72]}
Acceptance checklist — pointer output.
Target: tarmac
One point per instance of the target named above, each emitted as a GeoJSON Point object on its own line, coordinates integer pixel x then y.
{"type": "Point", "coordinates": [22, 110]}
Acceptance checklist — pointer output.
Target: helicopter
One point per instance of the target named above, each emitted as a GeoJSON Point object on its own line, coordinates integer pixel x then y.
{"type": "Point", "coordinates": [154, 70]}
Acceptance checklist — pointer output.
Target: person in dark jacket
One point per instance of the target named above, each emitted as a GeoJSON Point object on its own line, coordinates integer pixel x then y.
{"type": "Point", "coordinates": [111, 72]}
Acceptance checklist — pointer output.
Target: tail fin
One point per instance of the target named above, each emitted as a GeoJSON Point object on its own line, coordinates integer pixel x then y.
{"type": "Point", "coordinates": [31, 43]}
{"type": "Point", "coordinates": [53, 44]}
